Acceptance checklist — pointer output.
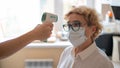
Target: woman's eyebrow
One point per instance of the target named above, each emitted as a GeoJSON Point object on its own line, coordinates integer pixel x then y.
{"type": "Point", "coordinates": [74, 21]}
{"type": "Point", "coordinates": [77, 21]}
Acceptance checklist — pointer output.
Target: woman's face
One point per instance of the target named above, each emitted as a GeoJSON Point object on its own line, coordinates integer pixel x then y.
{"type": "Point", "coordinates": [83, 23]}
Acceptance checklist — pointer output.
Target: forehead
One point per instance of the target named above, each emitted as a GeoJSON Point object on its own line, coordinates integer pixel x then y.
{"type": "Point", "coordinates": [72, 17]}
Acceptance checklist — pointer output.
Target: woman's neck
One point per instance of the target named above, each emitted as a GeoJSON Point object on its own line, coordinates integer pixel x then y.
{"type": "Point", "coordinates": [82, 47]}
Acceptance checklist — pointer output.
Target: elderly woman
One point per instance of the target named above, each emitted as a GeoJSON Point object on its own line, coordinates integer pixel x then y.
{"type": "Point", "coordinates": [83, 27]}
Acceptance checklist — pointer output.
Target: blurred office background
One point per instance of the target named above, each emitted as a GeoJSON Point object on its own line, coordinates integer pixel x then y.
{"type": "Point", "coordinates": [20, 16]}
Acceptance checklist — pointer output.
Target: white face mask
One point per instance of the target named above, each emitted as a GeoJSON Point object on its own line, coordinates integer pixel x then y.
{"type": "Point", "coordinates": [77, 38]}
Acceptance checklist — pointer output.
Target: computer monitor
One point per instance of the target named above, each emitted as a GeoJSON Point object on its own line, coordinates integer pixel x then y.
{"type": "Point", "coordinates": [116, 11]}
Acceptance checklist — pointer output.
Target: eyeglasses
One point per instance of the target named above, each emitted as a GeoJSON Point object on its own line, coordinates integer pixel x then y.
{"type": "Point", "coordinates": [75, 26]}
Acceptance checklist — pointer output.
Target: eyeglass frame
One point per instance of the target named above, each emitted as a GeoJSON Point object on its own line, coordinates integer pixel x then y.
{"type": "Point", "coordinates": [71, 25]}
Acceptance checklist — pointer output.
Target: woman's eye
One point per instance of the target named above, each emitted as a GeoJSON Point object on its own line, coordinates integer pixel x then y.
{"type": "Point", "coordinates": [76, 24]}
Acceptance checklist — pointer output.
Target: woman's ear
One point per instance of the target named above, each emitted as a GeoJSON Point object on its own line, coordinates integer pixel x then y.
{"type": "Point", "coordinates": [93, 29]}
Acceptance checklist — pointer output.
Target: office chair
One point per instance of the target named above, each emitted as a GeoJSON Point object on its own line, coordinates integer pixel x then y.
{"type": "Point", "coordinates": [105, 42]}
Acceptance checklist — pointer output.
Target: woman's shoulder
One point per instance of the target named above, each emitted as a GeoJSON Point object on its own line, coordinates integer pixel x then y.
{"type": "Point", "coordinates": [103, 58]}
{"type": "Point", "coordinates": [69, 48]}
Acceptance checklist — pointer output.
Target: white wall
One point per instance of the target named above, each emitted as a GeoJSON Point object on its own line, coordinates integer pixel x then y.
{"type": "Point", "coordinates": [115, 2]}
{"type": "Point", "coordinates": [90, 3]}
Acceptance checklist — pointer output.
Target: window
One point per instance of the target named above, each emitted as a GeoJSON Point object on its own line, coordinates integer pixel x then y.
{"type": "Point", "coordinates": [19, 16]}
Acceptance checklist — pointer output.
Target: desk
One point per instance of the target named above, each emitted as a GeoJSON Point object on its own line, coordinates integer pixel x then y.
{"type": "Point", "coordinates": [57, 44]}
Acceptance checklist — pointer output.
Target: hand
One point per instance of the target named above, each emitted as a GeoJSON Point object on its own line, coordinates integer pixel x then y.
{"type": "Point", "coordinates": [42, 31]}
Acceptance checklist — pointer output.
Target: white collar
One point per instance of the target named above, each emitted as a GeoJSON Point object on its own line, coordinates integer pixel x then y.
{"type": "Point", "coordinates": [88, 51]}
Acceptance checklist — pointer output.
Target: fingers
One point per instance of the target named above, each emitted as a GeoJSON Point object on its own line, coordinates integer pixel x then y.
{"type": "Point", "coordinates": [43, 31]}
{"type": "Point", "coordinates": [50, 32]}
{"type": "Point", "coordinates": [48, 24]}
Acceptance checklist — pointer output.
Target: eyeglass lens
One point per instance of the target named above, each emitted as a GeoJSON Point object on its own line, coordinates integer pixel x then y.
{"type": "Point", "coordinates": [75, 26]}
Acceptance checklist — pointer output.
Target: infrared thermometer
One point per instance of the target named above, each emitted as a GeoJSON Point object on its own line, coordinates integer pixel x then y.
{"type": "Point", "coordinates": [49, 17]}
